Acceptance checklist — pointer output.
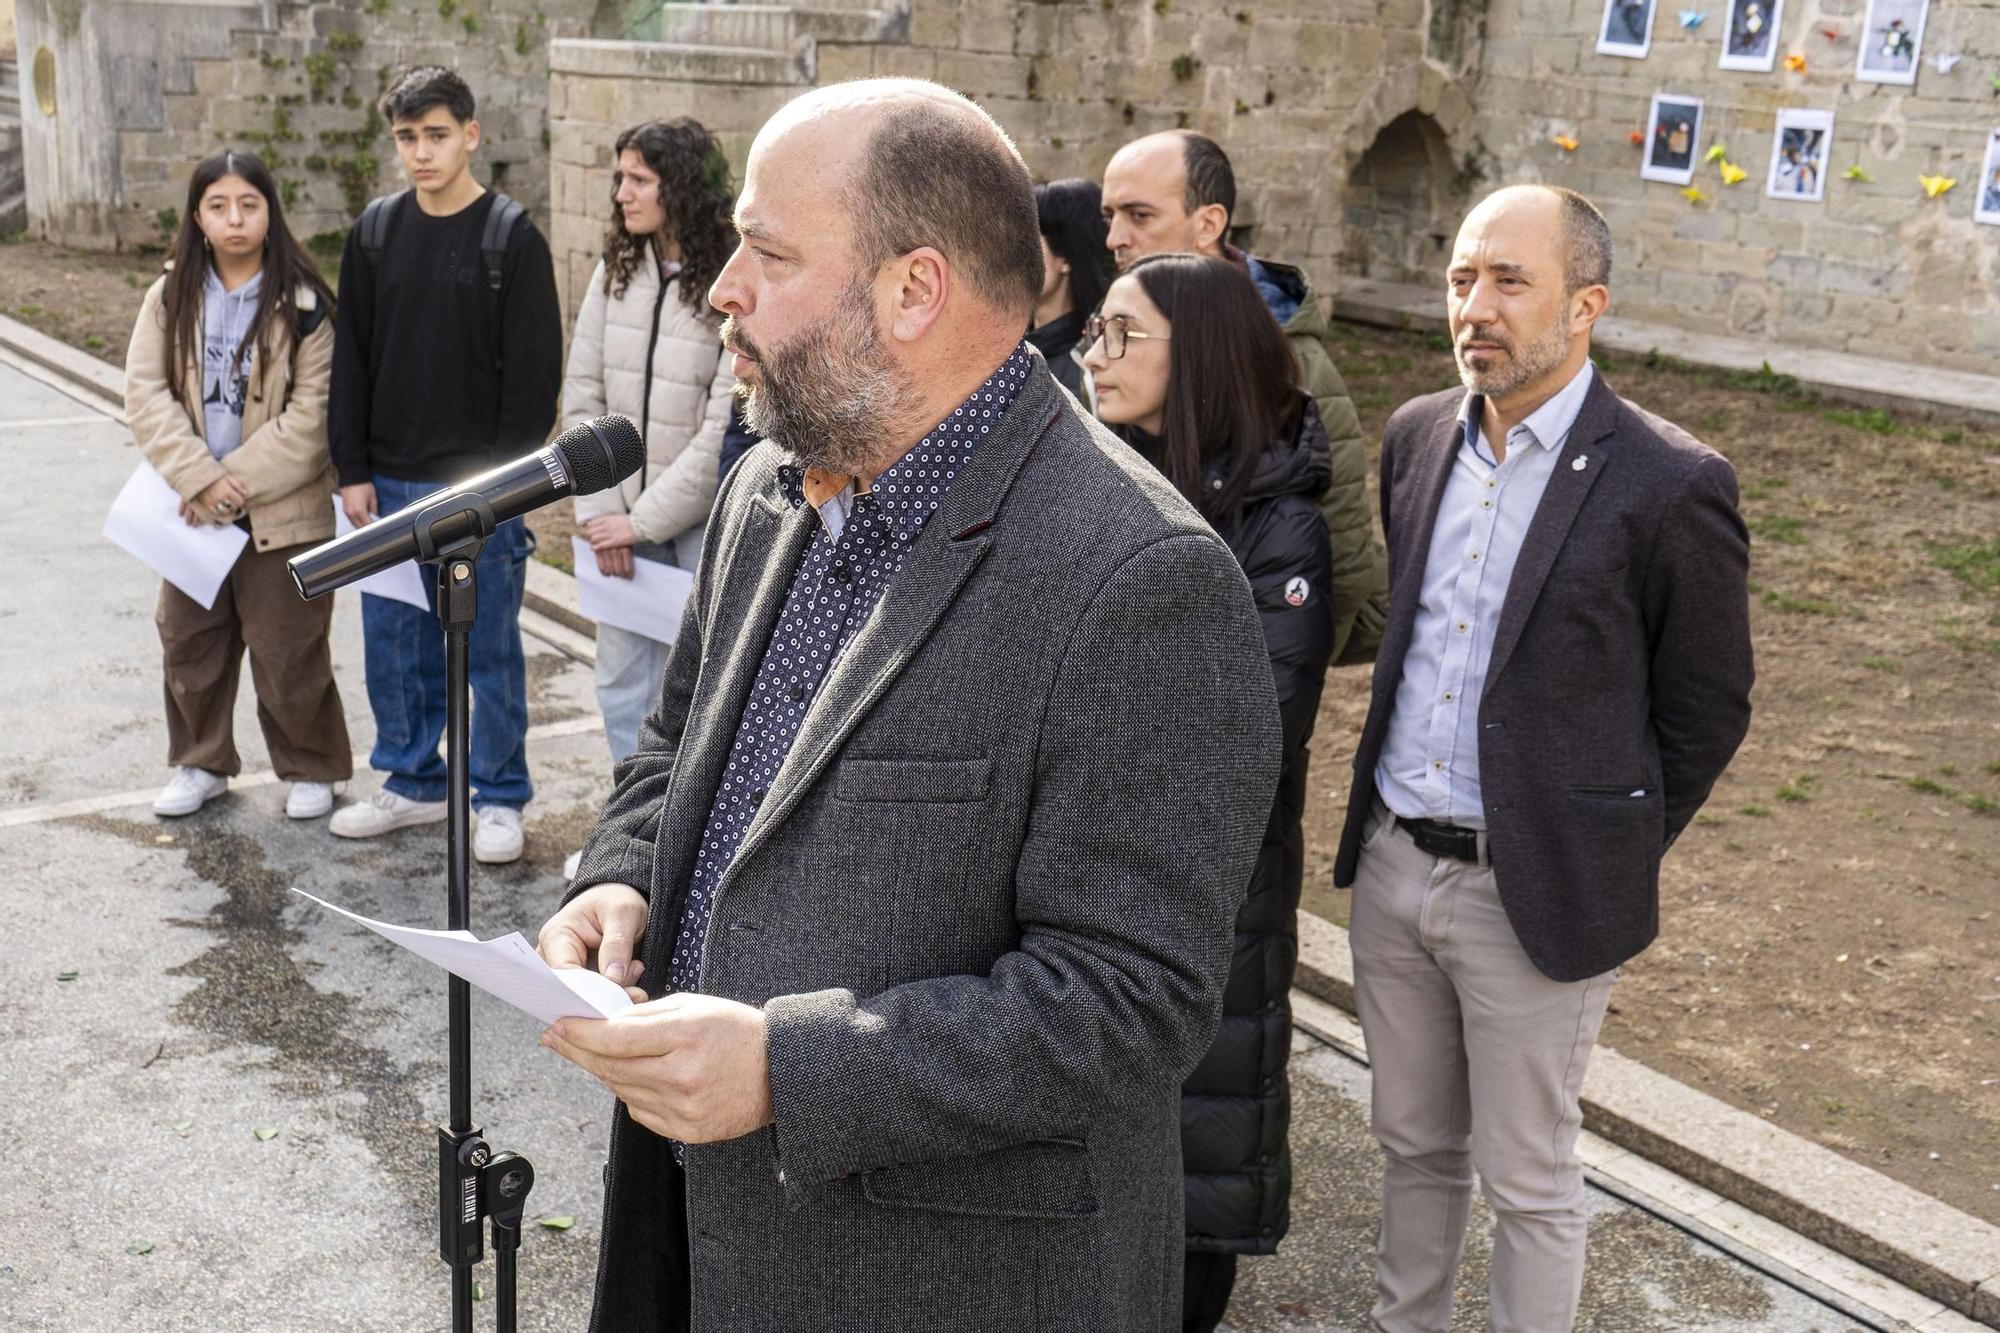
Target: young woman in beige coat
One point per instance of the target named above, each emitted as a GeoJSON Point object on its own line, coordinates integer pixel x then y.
{"type": "Point", "coordinates": [225, 385]}
{"type": "Point", "coordinates": [647, 345]}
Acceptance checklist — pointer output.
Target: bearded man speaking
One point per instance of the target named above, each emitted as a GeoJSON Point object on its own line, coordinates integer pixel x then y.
{"type": "Point", "coordinates": [931, 848]}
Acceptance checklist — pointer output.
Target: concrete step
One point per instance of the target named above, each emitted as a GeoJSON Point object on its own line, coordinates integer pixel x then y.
{"type": "Point", "coordinates": [785, 29]}
{"type": "Point", "coordinates": [690, 62]}
{"type": "Point", "coordinates": [13, 213]}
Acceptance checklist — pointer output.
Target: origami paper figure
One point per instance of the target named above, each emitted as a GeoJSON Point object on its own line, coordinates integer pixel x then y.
{"type": "Point", "coordinates": [1796, 64]}
{"type": "Point", "coordinates": [1566, 142]}
{"type": "Point", "coordinates": [1692, 18]}
{"type": "Point", "coordinates": [1731, 173]}
{"type": "Point", "coordinates": [1936, 185]}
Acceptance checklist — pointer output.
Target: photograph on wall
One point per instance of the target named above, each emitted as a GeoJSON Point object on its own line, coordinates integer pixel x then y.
{"type": "Point", "coordinates": [1750, 37]}
{"type": "Point", "coordinates": [1627, 29]}
{"type": "Point", "coordinates": [1799, 155]}
{"type": "Point", "coordinates": [1673, 137]}
{"type": "Point", "coordinates": [1892, 41]}
{"type": "Point", "coordinates": [1986, 203]}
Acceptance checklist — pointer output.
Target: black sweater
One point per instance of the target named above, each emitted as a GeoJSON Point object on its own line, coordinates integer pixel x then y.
{"type": "Point", "coordinates": [415, 393]}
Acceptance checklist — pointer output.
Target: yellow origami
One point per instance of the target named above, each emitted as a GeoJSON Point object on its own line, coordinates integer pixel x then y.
{"type": "Point", "coordinates": [1797, 64]}
{"type": "Point", "coordinates": [1694, 195]}
{"type": "Point", "coordinates": [1731, 173]}
{"type": "Point", "coordinates": [1714, 154]}
{"type": "Point", "coordinates": [1566, 143]}
{"type": "Point", "coordinates": [1936, 185]}
{"type": "Point", "coordinates": [1855, 173]}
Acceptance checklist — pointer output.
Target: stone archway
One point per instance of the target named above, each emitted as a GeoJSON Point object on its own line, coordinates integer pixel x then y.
{"type": "Point", "coordinates": [1403, 200]}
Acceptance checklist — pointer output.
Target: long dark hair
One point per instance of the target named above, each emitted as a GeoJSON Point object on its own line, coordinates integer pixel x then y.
{"type": "Point", "coordinates": [694, 189]}
{"type": "Point", "coordinates": [1072, 220]}
{"type": "Point", "coordinates": [287, 267]}
{"type": "Point", "coordinates": [1232, 381]}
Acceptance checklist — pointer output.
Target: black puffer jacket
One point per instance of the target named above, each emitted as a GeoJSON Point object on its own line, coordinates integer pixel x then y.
{"type": "Point", "coordinates": [1236, 1106]}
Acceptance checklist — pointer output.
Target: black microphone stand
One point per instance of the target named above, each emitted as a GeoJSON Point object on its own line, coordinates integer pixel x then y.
{"type": "Point", "coordinates": [473, 1180]}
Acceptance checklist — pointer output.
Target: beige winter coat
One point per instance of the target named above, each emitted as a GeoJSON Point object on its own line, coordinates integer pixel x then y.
{"type": "Point", "coordinates": [689, 408]}
{"type": "Point", "coordinates": [283, 461]}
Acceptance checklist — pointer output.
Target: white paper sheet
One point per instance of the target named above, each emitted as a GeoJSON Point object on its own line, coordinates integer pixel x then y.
{"type": "Point", "coordinates": [145, 520]}
{"type": "Point", "coordinates": [399, 583]}
{"type": "Point", "coordinates": [648, 603]}
{"type": "Point", "coordinates": [507, 968]}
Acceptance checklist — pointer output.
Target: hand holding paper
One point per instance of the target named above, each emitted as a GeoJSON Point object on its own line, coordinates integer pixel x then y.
{"type": "Point", "coordinates": [147, 520]}
{"type": "Point", "coordinates": [507, 968]}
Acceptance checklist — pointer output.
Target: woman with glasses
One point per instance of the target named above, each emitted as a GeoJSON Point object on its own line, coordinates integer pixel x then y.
{"type": "Point", "coordinates": [1076, 268]}
{"type": "Point", "coordinates": [1191, 369]}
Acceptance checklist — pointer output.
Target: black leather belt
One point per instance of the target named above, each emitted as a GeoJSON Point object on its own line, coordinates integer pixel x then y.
{"type": "Point", "coordinates": [1439, 839]}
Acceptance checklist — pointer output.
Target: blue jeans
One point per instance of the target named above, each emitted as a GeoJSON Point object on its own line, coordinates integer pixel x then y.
{"type": "Point", "coordinates": [406, 684]}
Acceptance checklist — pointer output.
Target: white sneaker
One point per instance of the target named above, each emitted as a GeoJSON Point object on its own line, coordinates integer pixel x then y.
{"type": "Point", "coordinates": [309, 800]}
{"type": "Point", "coordinates": [497, 840]}
{"type": "Point", "coordinates": [571, 864]}
{"type": "Point", "coordinates": [188, 790]}
{"type": "Point", "coordinates": [384, 812]}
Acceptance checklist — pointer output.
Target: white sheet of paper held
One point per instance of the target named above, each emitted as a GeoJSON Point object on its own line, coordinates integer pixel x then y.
{"type": "Point", "coordinates": [146, 521]}
{"type": "Point", "coordinates": [399, 583]}
{"type": "Point", "coordinates": [648, 603]}
{"type": "Point", "coordinates": [507, 968]}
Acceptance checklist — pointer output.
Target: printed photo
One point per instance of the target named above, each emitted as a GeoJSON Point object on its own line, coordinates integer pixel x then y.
{"type": "Point", "coordinates": [1627, 29]}
{"type": "Point", "coordinates": [1673, 139]}
{"type": "Point", "coordinates": [1892, 41]}
{"type": "Point", "coordinates": [1750, 37]}
{"type": "Point", "coordinates": [1986, 203]}
{"type": "Point", "coordinates": [1799, 156]}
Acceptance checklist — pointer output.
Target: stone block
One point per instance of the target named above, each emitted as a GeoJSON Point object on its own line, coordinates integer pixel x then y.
{"type": "Point", "coordinates": [838, 63]}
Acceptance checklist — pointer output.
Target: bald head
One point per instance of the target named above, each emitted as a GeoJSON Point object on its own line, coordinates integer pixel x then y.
{"type": "Point", "coordinates": [915, 164]}
{"type": "Point", "coordinates": [1582, 236]}
{"type": "Point", "coordinates": [1166, 192]}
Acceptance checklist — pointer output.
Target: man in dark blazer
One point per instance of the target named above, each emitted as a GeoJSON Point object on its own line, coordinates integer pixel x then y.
{"type": "Point", "coordinates": [935, 837]}
{"type": "Point", "coordinates": [1565, 673]}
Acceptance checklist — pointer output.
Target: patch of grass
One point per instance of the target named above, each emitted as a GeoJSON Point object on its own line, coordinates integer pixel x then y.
{"type": "Point", "coordinates": [1803, 606]}
{"type": "Point", "coordinates": [1437, 342]}
{"type": "Point", "coordinates": [1764, 489]}
{"type": "Point", "coordinates": [1879, 664]}
{"type": "Point", "coordinates": [1799, 789]}
{"type": "Point", "coordinates": [1781, 528]}
{"type": "Point", "coordinates": [1976, 565]}
{"type": "Point", "coordinates": [1928, 786]}
{"type": "Point", "coordinates": [1765, 380]}
{"type": "Point", "coordinates": [1731, 845]}
{"type": "Point", "coordinates": [94, 343]}
{"type": "Point", "coordinates": [1754, 811]}
{"type": "Point", "coordinates": [1979, 805]}
{"type": "Point", "coordinates": [1871, 419]}
{"type": "Point", "coordinates": [1949, 770]}
{"type": "Point", "coordinates": [1993, 768]}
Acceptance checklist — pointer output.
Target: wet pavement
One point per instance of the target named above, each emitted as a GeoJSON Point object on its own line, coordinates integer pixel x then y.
{"type": "Point", "coordinates": [164, 1000]}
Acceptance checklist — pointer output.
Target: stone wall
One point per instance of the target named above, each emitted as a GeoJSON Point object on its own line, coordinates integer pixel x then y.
{"type": "Point", "coordinates": [1361, 129]}
{"type": "Point", "coordinates": [1877, 269]}
{"type": "Point", "coordinates": [1297, 89]}
{"type": "Point", "coordinates": [147, 89]}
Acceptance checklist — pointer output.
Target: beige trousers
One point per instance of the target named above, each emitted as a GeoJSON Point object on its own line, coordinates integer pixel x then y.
{"type": "Point", "coordinates": [1478, 1063]}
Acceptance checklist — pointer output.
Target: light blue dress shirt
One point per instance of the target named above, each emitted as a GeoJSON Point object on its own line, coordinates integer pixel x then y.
{"type": "Point", "coordinates": [1429, 767]}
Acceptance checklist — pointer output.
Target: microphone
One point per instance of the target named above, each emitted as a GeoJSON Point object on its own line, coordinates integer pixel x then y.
{"type": "Point", "coordinates": [582, 460]}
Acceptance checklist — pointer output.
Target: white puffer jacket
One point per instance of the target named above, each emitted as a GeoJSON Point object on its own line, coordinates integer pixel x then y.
{"type": "Point", "coordinates": [689, 408]}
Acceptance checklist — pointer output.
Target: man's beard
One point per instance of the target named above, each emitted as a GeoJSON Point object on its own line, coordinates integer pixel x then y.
{"type": "Point", "coordinates": [831, 396]}
{"type": "Point", "coordinates": [1521, 367]}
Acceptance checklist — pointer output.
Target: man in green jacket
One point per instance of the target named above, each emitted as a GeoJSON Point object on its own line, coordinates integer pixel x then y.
{"type": "Point", "coordinates": [1175, 191]}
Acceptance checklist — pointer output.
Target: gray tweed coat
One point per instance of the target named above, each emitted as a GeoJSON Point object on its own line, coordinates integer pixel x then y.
{"type": "Point", "coordinates": [986, 906]}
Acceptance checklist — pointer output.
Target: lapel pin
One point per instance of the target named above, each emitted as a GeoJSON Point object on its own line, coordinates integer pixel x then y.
{"type": "Point", "coordinates": [1576, 464]}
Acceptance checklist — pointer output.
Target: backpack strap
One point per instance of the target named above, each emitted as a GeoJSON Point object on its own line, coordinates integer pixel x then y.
{"type": "Point", "coordinates": [374, 225]}
{"type": "Point", "coordinates": [500, 224]}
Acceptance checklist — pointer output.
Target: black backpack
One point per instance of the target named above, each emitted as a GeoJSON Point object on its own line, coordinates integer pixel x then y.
{"type": "Point", "coordinates": [500, 223]}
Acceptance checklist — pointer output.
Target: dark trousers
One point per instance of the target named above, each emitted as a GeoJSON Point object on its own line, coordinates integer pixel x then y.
{"type": "Point", "coordinates": [291, 664]}
{"type": "Point", "coordinates": [1205, 1286]}
{"type": "Point", "coordinates": [676, 1266]}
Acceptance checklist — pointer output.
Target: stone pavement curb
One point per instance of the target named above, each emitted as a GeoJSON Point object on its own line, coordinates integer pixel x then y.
{"type": "Point", "coordinates": [1755, 1170]}
{"type": "Point", "coordinates": [102, 382]}
{"type": "Point", "coordinates": [1836, 376]}
{"type": "Point", "coordinates": [1750, 1170]}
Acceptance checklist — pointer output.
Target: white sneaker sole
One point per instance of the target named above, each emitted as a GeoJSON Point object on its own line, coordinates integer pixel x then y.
{"type": "Point", "coordinates": [293, 812]}
{"type": "Point", "coordinates": [410, 820]}
{"type": "Point", "coordinates": [513, 854]}
{"type": "Point", "coordinates": [177, 812]}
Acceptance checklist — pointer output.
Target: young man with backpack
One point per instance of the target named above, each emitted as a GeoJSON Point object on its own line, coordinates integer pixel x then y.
{"type": "Point", "coordinates": [447, 361]}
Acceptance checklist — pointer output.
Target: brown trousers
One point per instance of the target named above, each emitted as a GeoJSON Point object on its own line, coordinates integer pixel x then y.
{"type": "Point", "coordinates": [291, 665]}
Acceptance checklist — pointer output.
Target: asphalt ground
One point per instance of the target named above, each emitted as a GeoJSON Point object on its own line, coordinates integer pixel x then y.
{"type": "Point", "coordinates": [165, 1003]}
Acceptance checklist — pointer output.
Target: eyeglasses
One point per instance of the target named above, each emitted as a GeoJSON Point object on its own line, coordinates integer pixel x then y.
{"type": "Point", "coordinates": [1114, 331]}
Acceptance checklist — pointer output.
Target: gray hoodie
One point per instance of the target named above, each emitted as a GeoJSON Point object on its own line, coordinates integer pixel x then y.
{"type": "Point", "coordinates": [225, 322]}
